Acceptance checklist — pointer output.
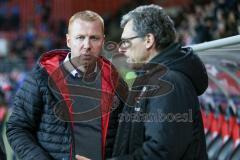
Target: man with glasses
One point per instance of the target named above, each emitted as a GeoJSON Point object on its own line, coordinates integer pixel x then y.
{"type": "Point", "coordinates": [161, 119]}
{"type": "Point", "coordinates": [68, 104]}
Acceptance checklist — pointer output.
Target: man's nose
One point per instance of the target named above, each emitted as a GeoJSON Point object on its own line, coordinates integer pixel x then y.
{"type": "Point", "coordinates": [86, 43]}
{"type": "Point", "coordinates": [121, 50]}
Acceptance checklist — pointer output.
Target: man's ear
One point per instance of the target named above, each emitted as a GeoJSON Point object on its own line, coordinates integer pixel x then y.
{"type": "Point", "coordinates": [149, 40]}
{"type": "Point", "coordinates": [68, 40]}
{"type": "Point", "coordinates": [104, 38]}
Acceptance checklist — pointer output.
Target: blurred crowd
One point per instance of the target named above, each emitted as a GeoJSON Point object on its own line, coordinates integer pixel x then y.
{"type": "Point", "coordinates": [21, 47]}
{"type": "Point", "coordinates": [197, 22]}
{"type": "Point", "coordinates": [206, 21]}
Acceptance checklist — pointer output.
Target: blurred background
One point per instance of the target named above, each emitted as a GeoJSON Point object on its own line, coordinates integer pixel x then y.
{"type": "Point", "coordinates": [29, 28]}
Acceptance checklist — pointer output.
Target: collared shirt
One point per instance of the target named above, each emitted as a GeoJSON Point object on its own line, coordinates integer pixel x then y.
{"type": "Point", "coordinates": [70, 68]}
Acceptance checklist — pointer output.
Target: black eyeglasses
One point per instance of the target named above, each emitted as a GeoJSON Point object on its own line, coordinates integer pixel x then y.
{"type": "Point", "coordinates": [126, 42]}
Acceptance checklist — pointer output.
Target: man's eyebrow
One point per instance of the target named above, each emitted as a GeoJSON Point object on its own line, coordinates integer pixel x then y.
{"type": "Point", "coordinates": [122, 38]}
{"type": "Point", "coordinates": [95, 35]}
{"type": "Point", "coordinates": [79, 35]}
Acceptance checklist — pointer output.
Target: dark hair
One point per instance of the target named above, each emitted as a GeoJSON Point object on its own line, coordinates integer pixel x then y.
{"type": "Point", "coordinates": [152, 19]}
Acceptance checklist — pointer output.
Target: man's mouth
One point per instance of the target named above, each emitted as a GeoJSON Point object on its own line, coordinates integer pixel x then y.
{"type": "Point", "coordinates": [86, 57]}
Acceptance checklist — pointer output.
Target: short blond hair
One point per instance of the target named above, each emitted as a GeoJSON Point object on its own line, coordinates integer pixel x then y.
{"type": "Point", "coordinates": [86, 15]}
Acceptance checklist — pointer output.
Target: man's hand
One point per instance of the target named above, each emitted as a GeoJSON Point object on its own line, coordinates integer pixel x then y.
{"type": "Point", "coordinates": [78, 157]}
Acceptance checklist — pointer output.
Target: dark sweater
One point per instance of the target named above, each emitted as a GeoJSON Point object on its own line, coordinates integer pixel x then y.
{"type": "Point", "coordinates": [87, 131]}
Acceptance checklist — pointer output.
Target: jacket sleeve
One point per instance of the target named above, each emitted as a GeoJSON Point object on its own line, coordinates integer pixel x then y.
{"type": "Point", "coordinates": [168, 127]}
{"type": "Point", "coordinates": [2, 150]}
{"type": "Point", "coordinates": [24, 120]}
